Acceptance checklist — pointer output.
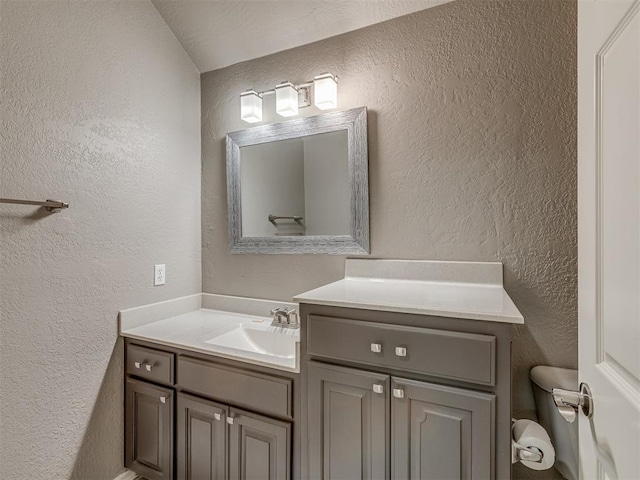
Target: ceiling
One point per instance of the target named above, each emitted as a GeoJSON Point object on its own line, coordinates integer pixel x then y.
{"type": "Point", "coordinates": [219, 33]}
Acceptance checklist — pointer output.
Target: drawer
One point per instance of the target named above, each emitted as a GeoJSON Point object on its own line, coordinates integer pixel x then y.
{"type": "Point", "coordinates": [251, 390]}
{"type": "Point", "coordinates": [467, 357]}
{"type": "Point", "coordinates": [154, 365]}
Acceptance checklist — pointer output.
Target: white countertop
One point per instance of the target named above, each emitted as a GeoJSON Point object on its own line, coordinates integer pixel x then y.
{"type": "Point", "coordinates": [471, 290]}
{"type": "Point", "coordinates": [191, 330]}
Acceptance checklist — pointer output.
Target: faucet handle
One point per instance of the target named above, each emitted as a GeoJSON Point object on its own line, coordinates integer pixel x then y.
{"type": "Point", "coordinates": [293, 313]}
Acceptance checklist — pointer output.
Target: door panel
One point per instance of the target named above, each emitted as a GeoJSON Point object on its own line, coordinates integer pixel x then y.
{"type": "Point", "coordinates": [348, 423]}
{"type": "Point", "coordinates": [259, 447]}
{"type": "Point", "coordinates": [149, 429]}
{"type": "Point", "coordinates": [609, 235]}
{"type": "Point", "coordinates": [202, 439]}
{"type": "Point", "coordinates": [440, 432]}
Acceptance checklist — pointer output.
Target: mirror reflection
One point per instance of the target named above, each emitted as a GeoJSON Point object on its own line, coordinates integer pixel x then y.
{"type": "Point", "coordinates": [296, 187]}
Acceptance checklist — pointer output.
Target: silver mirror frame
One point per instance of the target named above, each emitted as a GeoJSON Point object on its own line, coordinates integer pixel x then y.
{"type": "Point", "coordinates": [354, 121]}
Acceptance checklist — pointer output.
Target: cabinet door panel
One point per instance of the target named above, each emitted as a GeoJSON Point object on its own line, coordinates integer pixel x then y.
{"type": "Point", "coordinates": [441, 433]}
{"type": "Point", "coordinates": [202, 439]}
{"type": "Point", "coordinates": [259, 447]}
{"type": "Point", "coordinates": [348, 423]}
{"type": "Point", "coordinates": [149, 430]}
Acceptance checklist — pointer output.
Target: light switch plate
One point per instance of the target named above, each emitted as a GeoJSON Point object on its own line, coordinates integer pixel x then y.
{"type": "Point", "coordinates": [160, 274]}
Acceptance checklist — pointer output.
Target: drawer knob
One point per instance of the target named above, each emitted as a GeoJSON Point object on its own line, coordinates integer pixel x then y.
{"type": "Point", "coordinates": [376, 347]}
{"type": "Point", "coordinates": [401, 351]}
{"type": "Point", "coordinates": [148, 366]}
{"type": "Point", "coordinates": [398, 392]}
{"type": "Point", "coordinates": [163, 399]}
{"type": "Point", "coordinates": [217, 416]}
{"type": "Point", "coordinates": [137, 364]}
{"type": "Point", "coordinates": [378, 388]}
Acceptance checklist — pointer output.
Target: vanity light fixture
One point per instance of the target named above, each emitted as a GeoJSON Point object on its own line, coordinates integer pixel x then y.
{"type": "Point", "coordinates": [325, 91]}
{"type": "Point", "coordinates": [290, 97]}
{"type": "Point", "coordinates": [251, 106]}
{"type": "Point", "coordinates": [286, 99]}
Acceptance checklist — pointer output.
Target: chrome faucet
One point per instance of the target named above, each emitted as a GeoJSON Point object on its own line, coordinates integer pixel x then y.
{"type": "Point", "coordinates": [285, 318]}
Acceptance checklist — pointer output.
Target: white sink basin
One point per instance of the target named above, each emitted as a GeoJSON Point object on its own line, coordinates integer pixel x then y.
{"type": "Point", "coordinates": [274, 341]}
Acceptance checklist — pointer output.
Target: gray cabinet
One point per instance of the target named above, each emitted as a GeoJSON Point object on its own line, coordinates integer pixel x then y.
{"type": "Point", "coordinates": [435, 433]}
{"type": "Point", "coordinates": [348, 423]}
{"type": "Point", "coordinates": [227, 422]}
{"type": "Point", "coordinates": [446, 408]}
{"type": "Point", "coordinates": [149, 429]}
{"type": "Point", "coordinates": [259, 447]}
{"type": "Point", "coordinates": [202, 439]}
{"type": "Point", "coordinates": [212, 436]}
{"type": "Point", "coordinates": [440, 432]}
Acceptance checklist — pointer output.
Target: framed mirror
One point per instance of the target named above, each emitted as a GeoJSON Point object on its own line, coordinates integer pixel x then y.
{"type": "Point", "coordinates": [300, 186]}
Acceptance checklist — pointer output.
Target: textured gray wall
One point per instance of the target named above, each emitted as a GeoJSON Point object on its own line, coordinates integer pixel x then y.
{"type": "Point", "coordinates": [472, 154]}
{"type": "Point", "coordinates": [100, 107]}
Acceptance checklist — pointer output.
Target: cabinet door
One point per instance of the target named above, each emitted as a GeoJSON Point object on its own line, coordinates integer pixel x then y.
{"type": "Point", "coordinates": [259, 447]}
{"type": "Point", "coordinates": [149, 430]}
{"type": "Point", "coordinates": [440, 432]}
{"type": "Point", "coordinates": [348, 423]}
{"type": "Point", "coordinates": [202, 439]}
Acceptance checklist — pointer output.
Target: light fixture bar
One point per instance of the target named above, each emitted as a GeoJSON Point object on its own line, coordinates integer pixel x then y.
{"type": "Point", "coordinates": [325, 88]}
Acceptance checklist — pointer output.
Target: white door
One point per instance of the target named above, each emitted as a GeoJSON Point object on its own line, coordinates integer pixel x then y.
{"type": "Point", "coordinates": [609, 235]}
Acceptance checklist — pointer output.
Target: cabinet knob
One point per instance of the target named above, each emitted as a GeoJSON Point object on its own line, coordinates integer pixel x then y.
{"type": "Point", "coordinates": [148, 366]}
{"type": "Point", "coordinates": [163, 399]}
{"type": "Point", "coordinates": [376, 347]}
{"type": "Point", "coordinates": [378, 388]}
{"type": "Point", "coordinates": [230, 419]}
{"type": "Point", "coordinates": [398, 392]}
{"type": "Point", "coordinates": [401, 351]}
{"type": "Point", "coordinates": [217, 416]}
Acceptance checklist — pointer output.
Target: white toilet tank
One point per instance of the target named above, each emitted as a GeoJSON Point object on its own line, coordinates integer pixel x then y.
{"type": "Point", "coordinates": [564, 435]}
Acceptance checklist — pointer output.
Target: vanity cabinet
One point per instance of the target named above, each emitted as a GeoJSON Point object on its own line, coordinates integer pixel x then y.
{"type": "Point", "coordinates": [149, 429]}
{"type": "Point", "coordinates": [404, 396]}
{"type": "Point", "coordinates": [433, 432]}
{"type": "Point", "coordinates": [202, 438]}
{"type": "Point", "coordinates": [197, 417]}
{"type": "Point", "coordinates": [259, 447]}
{"type": "Point", "coordinates": [214, 439]}
{"type": "Point", "coordinates": [440, 432]}
{"type": "Point", "coordinates": [348, 423]}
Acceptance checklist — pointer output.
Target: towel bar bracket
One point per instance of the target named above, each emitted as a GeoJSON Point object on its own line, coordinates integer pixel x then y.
{"type": "Point", "coordinates": [53, 206]}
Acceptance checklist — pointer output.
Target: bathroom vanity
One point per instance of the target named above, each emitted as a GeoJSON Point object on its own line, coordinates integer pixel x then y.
{"type": "Point", "coordinates": [204, 402]}
{"type": "Point", "coordinates": [402, 370]}
{"type": "Point", "coordinates": [416, 396]}
{"type": "Point", "coordinates": [227, 420]}
{"type": "Point", "coordinates": [406, 372]}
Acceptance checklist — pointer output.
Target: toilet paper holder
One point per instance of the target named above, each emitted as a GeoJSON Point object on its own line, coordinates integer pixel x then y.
{"type": "Point", "coordinates": [529, 454]}
{"type": "Point", "coordinates": [531, 445]}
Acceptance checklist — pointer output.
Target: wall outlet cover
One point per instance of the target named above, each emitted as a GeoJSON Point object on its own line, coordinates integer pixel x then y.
{"type": "Point", "coordinates": [160, 274]}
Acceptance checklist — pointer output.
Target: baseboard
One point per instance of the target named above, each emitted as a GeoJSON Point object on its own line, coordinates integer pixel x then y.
{"type": "Point", "coordinates": [128, 475]}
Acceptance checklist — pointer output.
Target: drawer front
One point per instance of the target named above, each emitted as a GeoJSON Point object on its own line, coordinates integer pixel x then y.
{"type": "Point", "coordinates": [154, 365]}
{"type": "Point", "coordinates": [467, 357]}
{"type": "Point", "coordinates": [252, 390]}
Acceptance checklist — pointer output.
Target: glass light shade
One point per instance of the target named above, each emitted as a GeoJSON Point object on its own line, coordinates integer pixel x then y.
{"type": "Point", "coordinates": [325, 91]}
{"type": "Point", "coordinates": [286, 100]}
{"type": "Point", "coordinates": [251, 106]}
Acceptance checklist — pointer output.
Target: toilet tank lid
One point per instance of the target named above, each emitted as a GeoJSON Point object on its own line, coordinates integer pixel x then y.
{"type": "Point", "coordinates": [549, 378]}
